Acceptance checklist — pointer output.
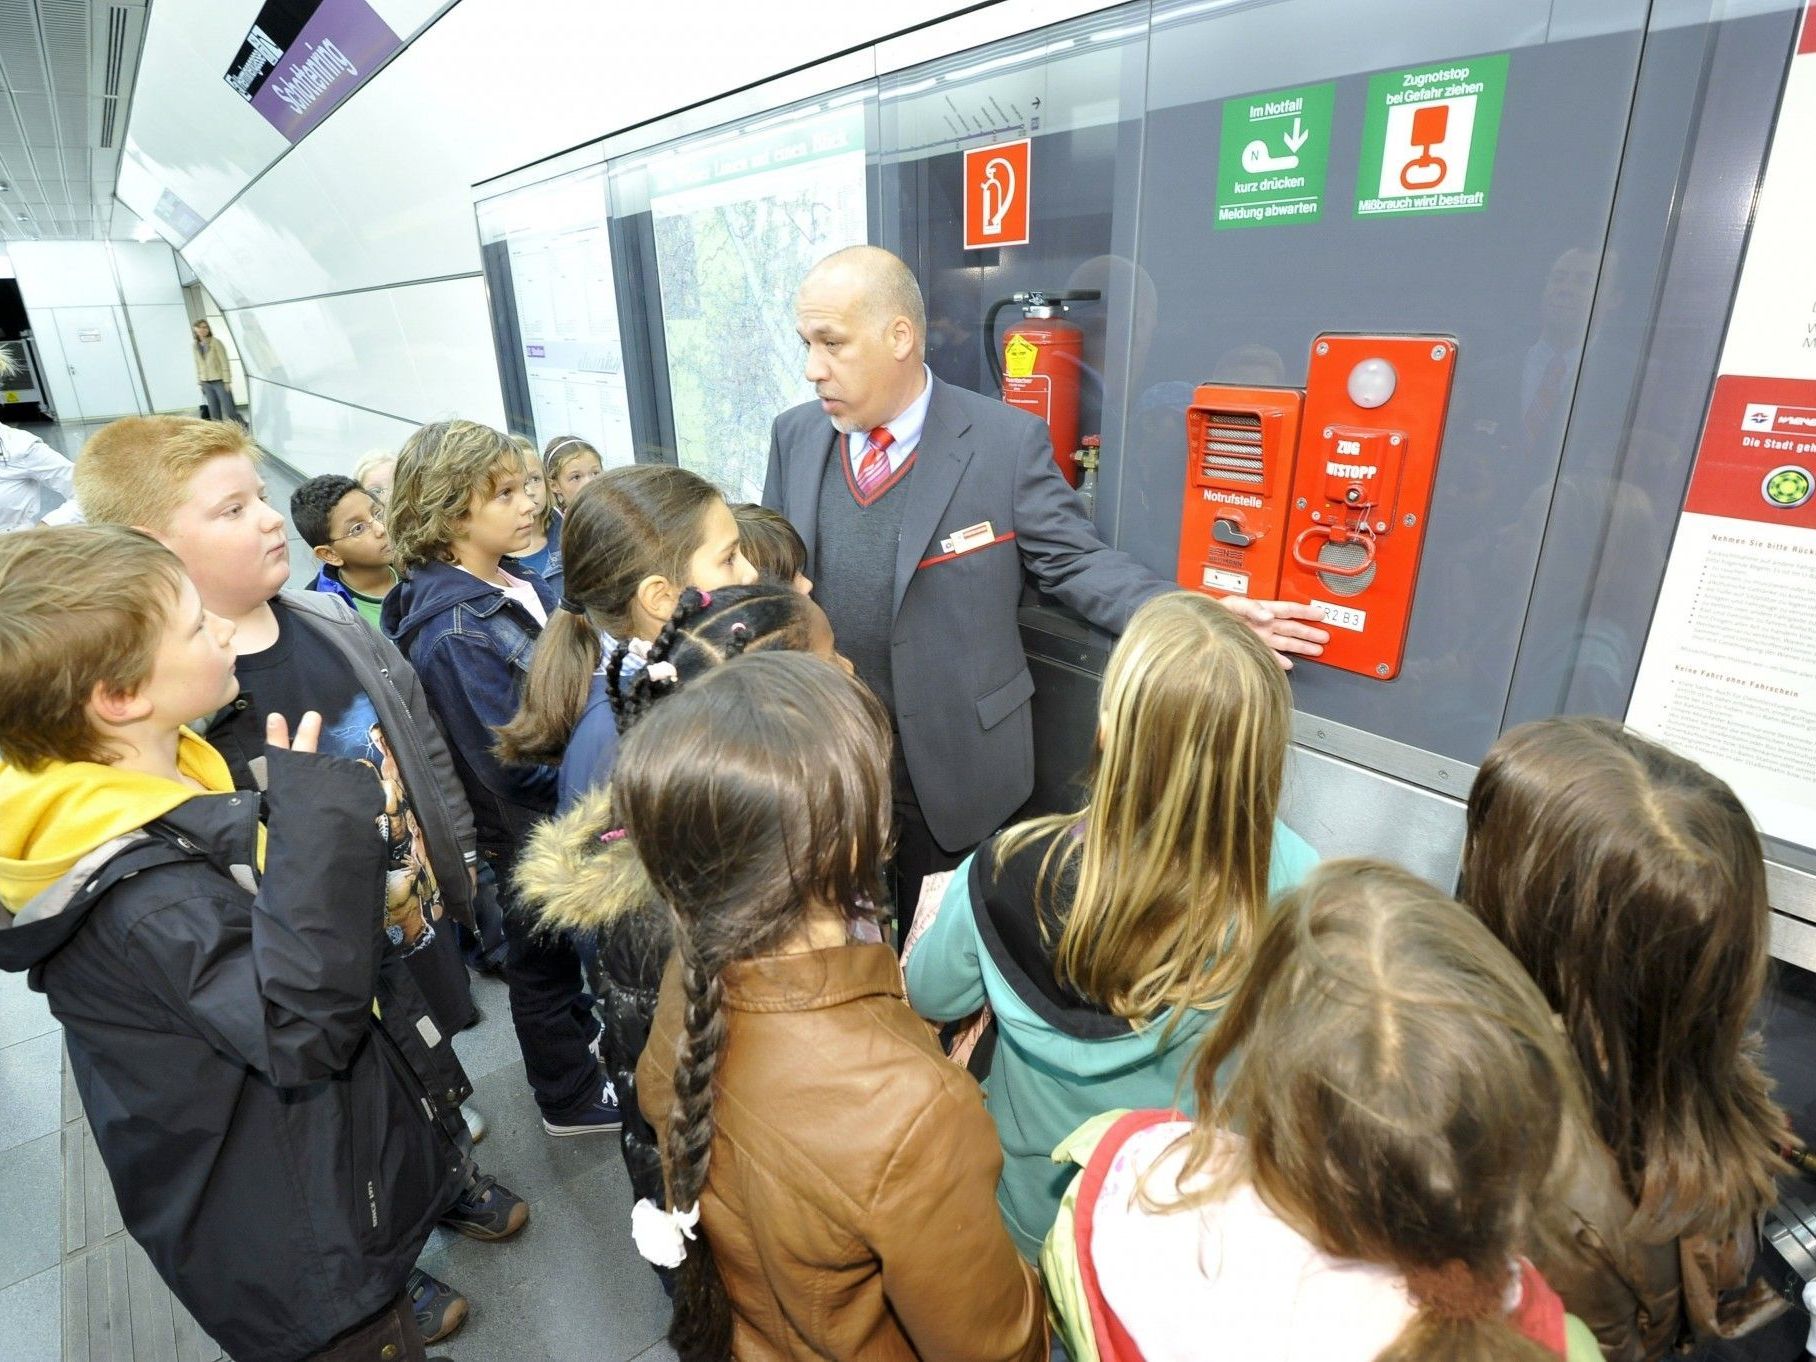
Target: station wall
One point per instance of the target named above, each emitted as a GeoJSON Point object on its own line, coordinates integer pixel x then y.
{"type": "Point", "coordinates": [406, 260]}
{"type": "Point", "coordinates": [348, 266]}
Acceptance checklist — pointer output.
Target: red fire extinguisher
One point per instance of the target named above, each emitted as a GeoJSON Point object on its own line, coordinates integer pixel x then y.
{"type": "Point", "coordinates": [1038, 366]}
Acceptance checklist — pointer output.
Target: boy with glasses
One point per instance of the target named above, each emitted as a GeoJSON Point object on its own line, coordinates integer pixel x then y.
{"type": "Point", "coordinates": [344, 525]}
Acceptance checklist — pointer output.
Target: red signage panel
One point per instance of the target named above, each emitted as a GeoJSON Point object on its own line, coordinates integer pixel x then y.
{"type": "Point", "coordinates": [998, 188]}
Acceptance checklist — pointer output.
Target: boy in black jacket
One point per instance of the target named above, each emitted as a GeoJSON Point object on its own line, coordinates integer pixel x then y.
{"type": "Point", "coordinates": [195, 487]}
{"type": "Point", "coordinates": [280, 1151]}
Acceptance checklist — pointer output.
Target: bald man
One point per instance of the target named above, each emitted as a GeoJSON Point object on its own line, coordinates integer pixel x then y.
{"type": "Point", "coordinates": [921, 504]}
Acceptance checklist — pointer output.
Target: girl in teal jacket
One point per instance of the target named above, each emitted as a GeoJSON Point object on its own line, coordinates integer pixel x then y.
{"type": "Point", "coordinates": [1105, 941]}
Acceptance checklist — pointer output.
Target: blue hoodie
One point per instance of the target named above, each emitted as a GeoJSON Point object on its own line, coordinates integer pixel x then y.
{"type": "Point", "coordinates": [1059, 1059]}
{"type": "Point", "coordinates": [471, 646]}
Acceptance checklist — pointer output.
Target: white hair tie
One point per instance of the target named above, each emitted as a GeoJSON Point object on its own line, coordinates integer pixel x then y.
{"type": "Point", "coordinates": [662, 673]}
{"type": "Point", "coordinates": [638, 648]}
{"type": "Point", "coordinates": [661, 1236]}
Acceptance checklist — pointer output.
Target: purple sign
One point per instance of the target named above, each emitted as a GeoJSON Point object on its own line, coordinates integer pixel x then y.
{"type": "Point", "coordinates": [534, 351]}
{"type": "Point", "coordinates": [303, 57]}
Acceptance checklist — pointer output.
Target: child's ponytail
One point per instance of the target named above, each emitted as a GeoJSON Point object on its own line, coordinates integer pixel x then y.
{"type": "Point", "coordinates": [626, 525]}
{"type": "Point", "coordinates": [1462, 1318]}
{"type": "Point", "coordinates": [554, 694]}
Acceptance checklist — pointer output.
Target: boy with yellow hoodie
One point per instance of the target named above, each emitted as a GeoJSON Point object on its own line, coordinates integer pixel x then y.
{"type": "Point", "coordinates": [254, 1083]}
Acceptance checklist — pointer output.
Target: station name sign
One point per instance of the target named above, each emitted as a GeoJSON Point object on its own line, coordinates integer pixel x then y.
{"type": "Point", "coordinates": [302, 58]}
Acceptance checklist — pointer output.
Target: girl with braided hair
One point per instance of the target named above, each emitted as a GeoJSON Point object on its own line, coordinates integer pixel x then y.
{"type": "Point", "coordinates": [630, 545]}
{"type": "Point", "coordinates": [830, 1175]}
{"type": "Point", "coordinates": [1383, 1109]}
{"type": "Point", "coordinates": [579, 875]}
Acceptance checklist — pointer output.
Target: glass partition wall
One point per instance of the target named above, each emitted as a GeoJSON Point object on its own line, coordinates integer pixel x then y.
{"type": "Point", "coordinates": [1212, 178]}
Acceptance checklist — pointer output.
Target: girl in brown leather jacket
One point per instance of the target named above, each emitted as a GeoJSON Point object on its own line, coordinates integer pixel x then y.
{"type": "Point", "coordinates": [1631, 884]}
{"type": "Point", "coordinates": [831, 1175]}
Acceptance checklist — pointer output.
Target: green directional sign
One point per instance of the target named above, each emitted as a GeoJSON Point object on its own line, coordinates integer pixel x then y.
{"type": "Point", "coordinates": [1272, 157]}
{"type": "Point", "coordinates": [1428, 138]}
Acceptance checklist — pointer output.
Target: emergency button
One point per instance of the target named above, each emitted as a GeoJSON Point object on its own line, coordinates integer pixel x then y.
{"type": "Point", "coordinates": [1226, 529]}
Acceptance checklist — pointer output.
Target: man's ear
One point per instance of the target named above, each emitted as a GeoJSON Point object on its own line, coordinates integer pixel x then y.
{"type": "Point", "coordinates": [112, 708]}
{"type": "Point", "coordinates": [329, 555]}
{"type": "Point", "coordinates": [901, 338]}
{"type": "Point", "coordinates": [656, 597]}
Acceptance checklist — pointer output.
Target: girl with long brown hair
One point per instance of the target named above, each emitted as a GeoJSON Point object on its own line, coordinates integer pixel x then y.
{"type": "Point", "coordinates": [581, 877]}
{"type": "Point", "coordinates": [1105, 940]}
{"type": "Point", "coordinates": [1362, 1187]}
{"type": "Point", "coordinates": [829, 1172]}
{"type": "Point", "coordinates": [1631, 885]}
{"type": "Point", "coordinates": [569, 463]}
{"type": "Point", "coordinates": [631, 544]}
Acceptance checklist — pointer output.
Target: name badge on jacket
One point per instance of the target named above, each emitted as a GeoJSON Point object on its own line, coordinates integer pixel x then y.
{"type": "Point", "coordinates": [977, 536]}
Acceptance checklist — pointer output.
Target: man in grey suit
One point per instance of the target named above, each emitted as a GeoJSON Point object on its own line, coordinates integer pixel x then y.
{"type": "Point", "coordinates": [921, 504]}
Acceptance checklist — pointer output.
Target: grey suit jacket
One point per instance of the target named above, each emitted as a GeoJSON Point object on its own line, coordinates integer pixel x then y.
{"type": "Point", "coordinates": [962, 686]}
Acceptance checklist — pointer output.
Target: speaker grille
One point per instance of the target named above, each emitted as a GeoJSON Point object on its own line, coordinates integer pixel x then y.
{"type": "Point", "coordinates": [1232, 447]}
{"type": "Point", "coordinates": [1347, 555]}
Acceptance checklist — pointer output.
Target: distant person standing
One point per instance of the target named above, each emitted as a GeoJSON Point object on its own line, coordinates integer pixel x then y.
{"type": "Point", "coordinates": [212, 374]}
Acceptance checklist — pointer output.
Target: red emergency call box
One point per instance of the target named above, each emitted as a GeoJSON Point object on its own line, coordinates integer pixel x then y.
{"type": "Point", "coordinates": [1238, 476]}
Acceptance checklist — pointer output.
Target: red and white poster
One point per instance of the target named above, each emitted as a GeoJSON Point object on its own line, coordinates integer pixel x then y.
{"type": "Point", "coordinates": [1729, 672]}
{"type": "Point", "coordinates": [998, 186]}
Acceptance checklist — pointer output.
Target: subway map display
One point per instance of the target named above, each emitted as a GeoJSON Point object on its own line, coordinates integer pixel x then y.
{"type": "Point", "coordinates": [738, 222]}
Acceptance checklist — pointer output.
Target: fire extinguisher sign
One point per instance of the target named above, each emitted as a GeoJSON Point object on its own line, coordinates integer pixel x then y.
{"type": "Point", "coordinates": [1428, 138]}
{"type": "Point", "coordinates": [998, 186]}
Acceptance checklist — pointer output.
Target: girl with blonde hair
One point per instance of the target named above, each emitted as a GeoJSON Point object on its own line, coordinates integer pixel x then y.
{"type": "Point", "coordinates": [1105, 941]}
{"type": "Point", "coordinates": [569, 463]}
{"type": "Point", "coordinates": [1380, 1112]}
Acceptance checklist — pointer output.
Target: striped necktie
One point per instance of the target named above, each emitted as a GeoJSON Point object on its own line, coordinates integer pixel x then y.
{"type": "Point", "coordinates": [873, 468]}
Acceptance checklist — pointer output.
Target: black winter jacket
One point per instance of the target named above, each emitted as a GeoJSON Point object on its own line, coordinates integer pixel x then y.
{"type": "Point", "coordinates": [279, 1151]}
{"type": "Point", "coordinates": [558, 877]}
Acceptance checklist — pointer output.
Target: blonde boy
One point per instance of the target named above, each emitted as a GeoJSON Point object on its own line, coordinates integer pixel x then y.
{"type": "Point", "coordinates": [209, 969]}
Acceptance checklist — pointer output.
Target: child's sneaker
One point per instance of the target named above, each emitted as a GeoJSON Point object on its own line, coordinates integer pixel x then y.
{"type": "Point", "coordinates": [487, 1211]}
{"type": "Point", "coordinates": [438, 1307]}
{"type": "Point", "coordinates": [596, 1118]}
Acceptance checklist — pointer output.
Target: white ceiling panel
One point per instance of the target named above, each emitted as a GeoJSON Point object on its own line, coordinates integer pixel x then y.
{"type": "Point", "coordinates": [490, 86]}
{"type": "Point", "coordinates": [66, 77]}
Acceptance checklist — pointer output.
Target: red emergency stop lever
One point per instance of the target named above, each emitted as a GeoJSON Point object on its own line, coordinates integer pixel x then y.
{"type": "Point", "coordinates": [1336, 534]}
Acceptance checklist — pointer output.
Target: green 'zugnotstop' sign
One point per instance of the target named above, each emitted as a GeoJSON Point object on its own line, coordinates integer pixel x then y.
{"type": "Point", "coordinates": [1428, 138]}
{"type": "Point", "coordinates": [1272, 157]}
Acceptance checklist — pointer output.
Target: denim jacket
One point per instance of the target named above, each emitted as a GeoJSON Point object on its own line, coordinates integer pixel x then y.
{"type": "Point", "coordinates": [471, 646]}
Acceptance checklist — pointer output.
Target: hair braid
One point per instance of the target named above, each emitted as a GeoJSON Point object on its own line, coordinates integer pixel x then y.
{"type": "Point", "coordinates": [614, 674]}
{"type": "Point", "coordinates": [692, 602]}
{"type": "Point", "coordinates": [701, 1329]}
{"type": "Point", "coordinates": [740, 640]}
